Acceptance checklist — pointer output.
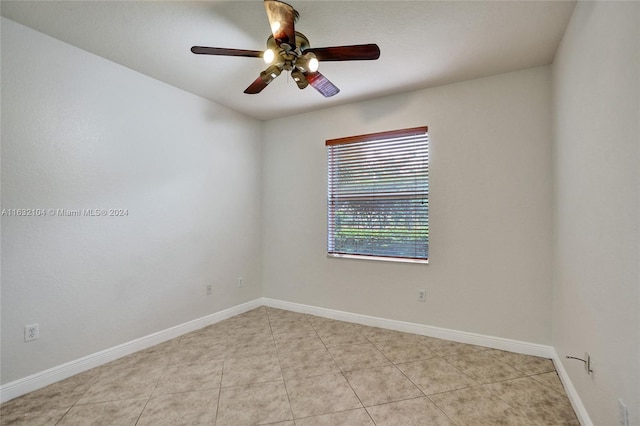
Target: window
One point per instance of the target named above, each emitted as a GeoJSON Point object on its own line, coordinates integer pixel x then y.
{"type": "Point", "coordinates": [378, 195]}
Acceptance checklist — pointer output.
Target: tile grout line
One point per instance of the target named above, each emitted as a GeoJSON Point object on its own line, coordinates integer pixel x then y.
{"type": "Point", "coordinates": [93, 379]}
{"type": "Point", "coordinates": [65, 413]}
{"type": "Point", "coordinates": [424, 393]}
{"type": "Point", "coordinates": [246, 324]}
{"type": "Point", "coordinates": [343, 375]}
{"type": "Point", "coordinates": [284, 382]}
{"type": "Point", "coordinates": [143, 408]}
{"type": "Point", "coordinates": [215, 420]}
{"type": "Point", "coordinates": [153, 390]}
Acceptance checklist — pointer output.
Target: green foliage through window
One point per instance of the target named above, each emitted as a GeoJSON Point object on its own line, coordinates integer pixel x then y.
{"type": "Point", "coordinates": [378, 195]}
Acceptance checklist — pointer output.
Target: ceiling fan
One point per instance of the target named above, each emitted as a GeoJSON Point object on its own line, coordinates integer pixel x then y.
{"type": "Point", "coordinates": [290, 50]}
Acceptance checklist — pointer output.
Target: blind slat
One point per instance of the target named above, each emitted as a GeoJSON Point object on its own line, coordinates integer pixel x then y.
{"type": "Point", "coordinates": [378, 194]}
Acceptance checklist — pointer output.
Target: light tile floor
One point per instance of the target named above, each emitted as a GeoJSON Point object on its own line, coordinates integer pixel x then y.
{"type": "Point", "coordinates": [270, 366]}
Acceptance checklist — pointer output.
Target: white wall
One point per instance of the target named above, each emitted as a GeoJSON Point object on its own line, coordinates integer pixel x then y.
{"type": "Point", "coordinates": [80, 132]}
{"type": "Point", "coordinates": [490, 209]}
{"type": "Point", "coordinates": [597, 281]}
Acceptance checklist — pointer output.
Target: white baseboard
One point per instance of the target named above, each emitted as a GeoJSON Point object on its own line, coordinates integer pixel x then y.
{"type": "Point", "coordinates": [39, 380]}
{"type": "Point", "coordinates": [424, 330]}
{"type": "Point", "coordinates": [517, 346]}
{"type": "Point", "coordinates": [572, 393]}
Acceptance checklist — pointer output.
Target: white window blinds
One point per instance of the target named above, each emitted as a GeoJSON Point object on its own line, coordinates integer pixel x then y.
{"type": "Point", "coordinates": [378, 195]}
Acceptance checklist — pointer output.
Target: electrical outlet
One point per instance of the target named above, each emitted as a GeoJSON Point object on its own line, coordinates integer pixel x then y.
{"type": "Point", "coordinates": [422, 295]}
{"type": "Point", "coordinates": [31, 332]}
{"type": "Point", "coordinates": [240, 282]}
{"type": "Point", "coordinates": [623, 414]}
{"type": "Point", "coordinates": [209, 290]}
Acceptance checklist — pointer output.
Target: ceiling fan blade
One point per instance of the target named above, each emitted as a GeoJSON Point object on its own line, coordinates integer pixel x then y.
{"type": "Point", "coordinates": [256, 87]}
{"type": "Point", "coordinates": [321, 84]}
{"type": "Point", "coordinates": [356, 52]}
{"type": "Point", "coordinates": [202, 50]}
{"type": "Point", "coordinates": [282, 17]}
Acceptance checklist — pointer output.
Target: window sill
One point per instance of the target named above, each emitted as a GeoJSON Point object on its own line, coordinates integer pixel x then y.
{"type": "Point", "coordinates": [379, 258]}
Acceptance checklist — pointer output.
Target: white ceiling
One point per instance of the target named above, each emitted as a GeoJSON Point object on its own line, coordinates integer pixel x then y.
{"type": "Point", "coordinates": [422, 43]}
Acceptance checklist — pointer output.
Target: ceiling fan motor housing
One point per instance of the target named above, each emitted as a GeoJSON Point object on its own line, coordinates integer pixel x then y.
{"type": "Point", "coordinates": [290, 50]}
{"type": "Point", "coordinates": [285, 55]}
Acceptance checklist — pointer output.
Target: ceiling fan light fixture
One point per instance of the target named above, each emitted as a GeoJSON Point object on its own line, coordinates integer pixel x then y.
{"type": "Point", "coordinates": [299, 78]}
{"type": "Point", "coordinates": [308, 62]}
{"type": "Point", "coordinates": [270, 74]}
{"type": "Point", "coordinates": [313, 64]}
{"type": "Point", "coordinates": [268, 56]}
{"type": "Point", "coordinates": [290, 50]}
